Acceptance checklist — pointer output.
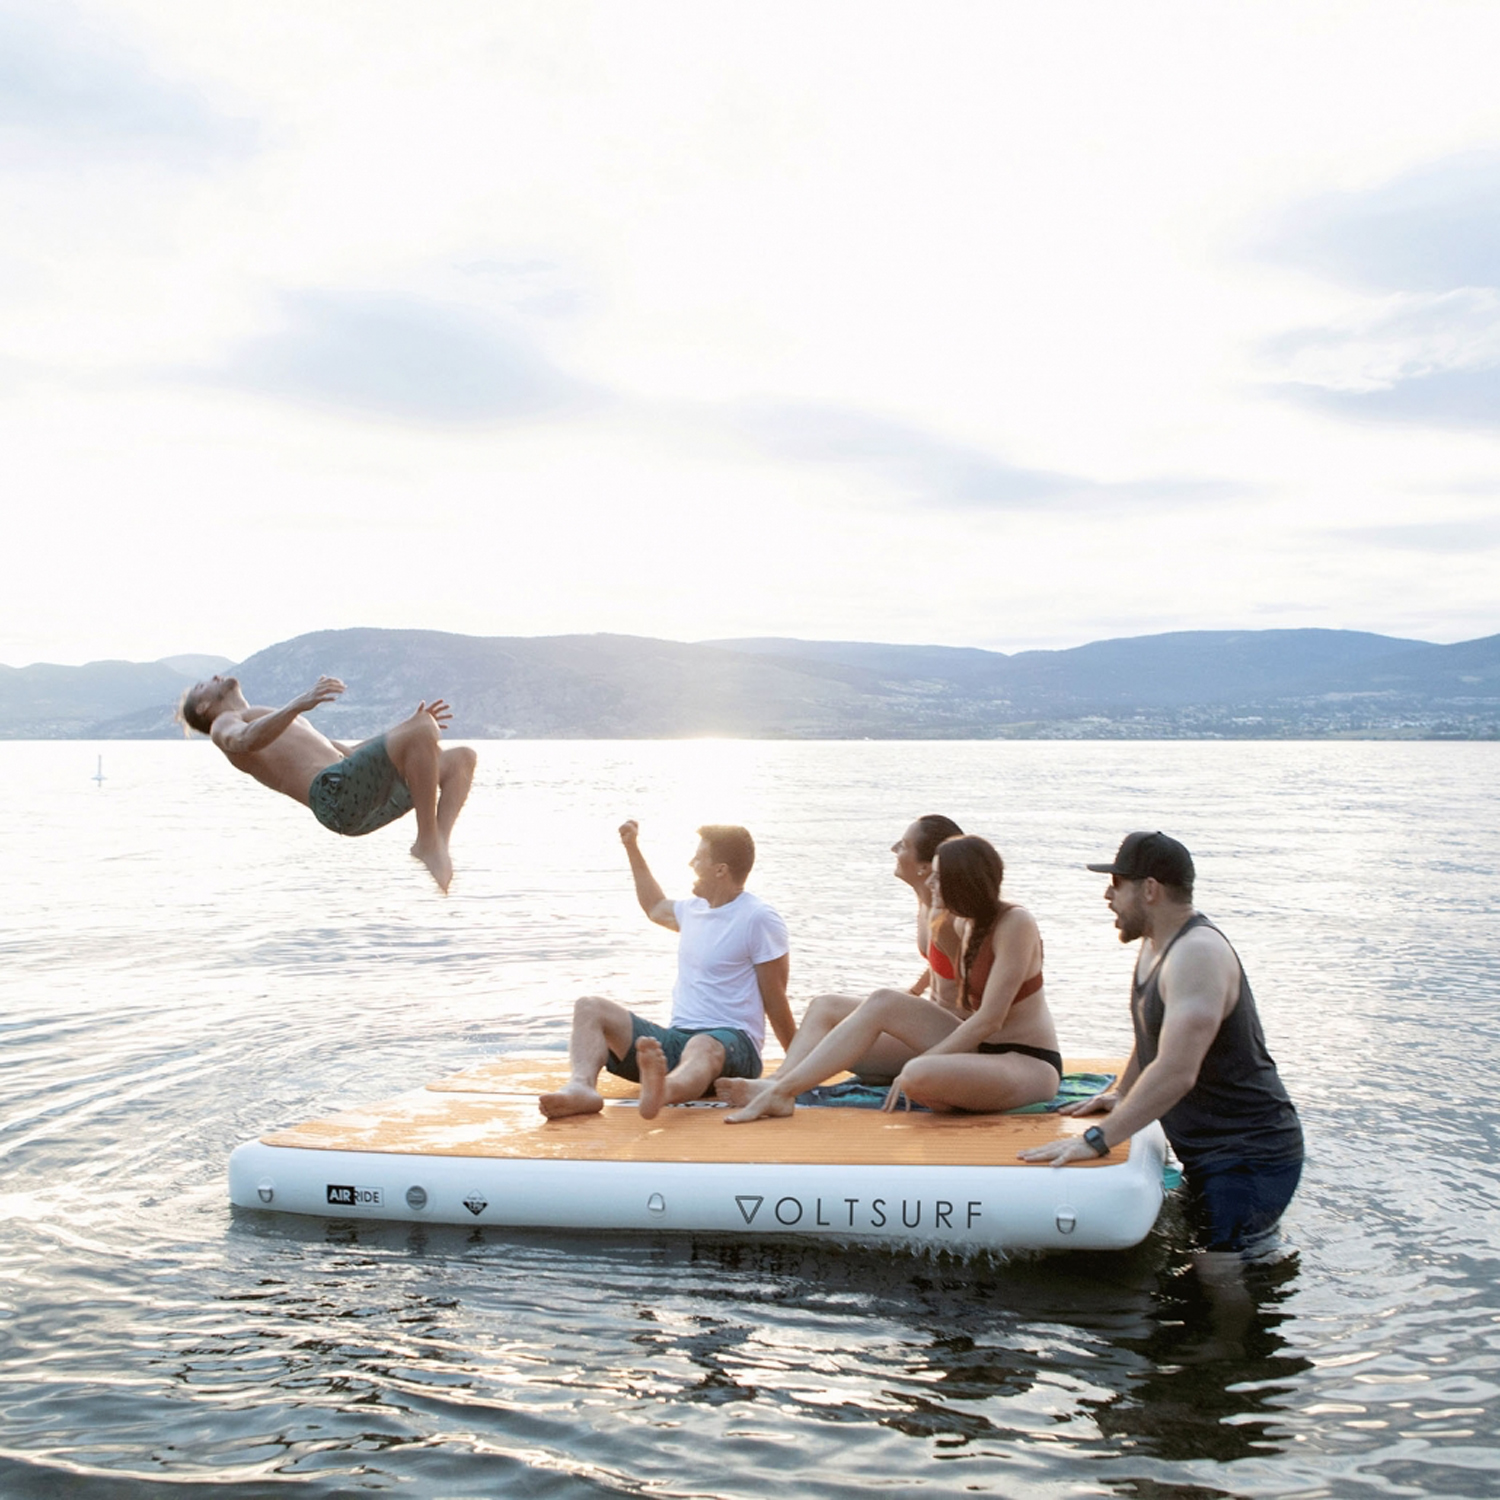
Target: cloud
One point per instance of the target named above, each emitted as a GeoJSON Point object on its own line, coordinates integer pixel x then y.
{"type": "Point", "coordinates": [531, 286]}
{"type": "Point", "coordinates": [1429, 350]}
{"type": "Point", "coordinates": [403, 357]}
{"type": "Point", "coordinates": [68, 88]}
{"type": "Point", "coordinates": [1405, 338]}
{"type": "Point", "coordinates": [1446, 398]}
{"type": "Point", "coordinates": [1431, 229]}
{"type": "Point", "coordinates": [935, 470]}
{"type": "Point", "coordinates": [1428, 358]}
{"type": "Point", "coordinates": [1479, 535]}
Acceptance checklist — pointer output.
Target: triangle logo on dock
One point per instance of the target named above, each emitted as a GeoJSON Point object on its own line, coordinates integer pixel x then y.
{"type": "Point", "coordinates": [748, 1214]}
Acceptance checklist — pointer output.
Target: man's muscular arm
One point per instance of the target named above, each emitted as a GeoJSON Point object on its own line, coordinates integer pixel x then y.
{"type": "Point", "coordinates": [647, 891]}
{"type": "Point", "coordinates": [1189, 1025]}
{"type": "Point", "coordinates": [234, 734]}
{"type": "Point", "coordinates": [1196, 991]}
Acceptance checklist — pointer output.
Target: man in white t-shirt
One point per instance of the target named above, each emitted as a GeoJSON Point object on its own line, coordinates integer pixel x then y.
{"type": "Point", "coordinates": [732, 969]}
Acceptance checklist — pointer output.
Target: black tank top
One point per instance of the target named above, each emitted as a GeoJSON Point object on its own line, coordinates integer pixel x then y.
{"type": "Point", "coordinates": [1238, 1110]}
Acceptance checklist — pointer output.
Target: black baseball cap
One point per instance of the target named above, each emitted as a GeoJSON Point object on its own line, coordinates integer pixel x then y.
{"type": "Point", "coordinates": [1154, 855]}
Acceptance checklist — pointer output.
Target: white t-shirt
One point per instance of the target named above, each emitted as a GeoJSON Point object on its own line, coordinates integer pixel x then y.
{"type": "Point", "coordinates": [717, 950]}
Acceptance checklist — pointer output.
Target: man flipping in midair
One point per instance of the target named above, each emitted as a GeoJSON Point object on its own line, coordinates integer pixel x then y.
{"type": "Point", "coordinates": [352, 789]}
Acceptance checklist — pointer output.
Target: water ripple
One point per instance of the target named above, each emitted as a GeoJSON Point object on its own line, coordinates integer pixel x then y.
{"type": "Point", "coordinates": [169, 996]}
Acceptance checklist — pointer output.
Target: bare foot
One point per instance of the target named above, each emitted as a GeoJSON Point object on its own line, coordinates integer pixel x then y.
{"type": "Point", "coordinates": [574, 1099]}
{"type": "Point", "coordinates": [737, 1091]}
{"type": "Point", "coordinates": [435, 857]}
{"type": "Point", "coordinates": [767, 1104]}
{"type": "Point", "coordinates": [651, 1062]}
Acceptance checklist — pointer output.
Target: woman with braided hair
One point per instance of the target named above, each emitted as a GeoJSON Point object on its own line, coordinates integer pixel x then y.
{"type": "Point", "coordinates": [999, 1052]}
{"type": "Point", "coordinates": [937, 942]}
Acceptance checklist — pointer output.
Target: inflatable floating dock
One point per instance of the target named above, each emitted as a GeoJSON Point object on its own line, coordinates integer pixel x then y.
{"type": "Point", "coordinates": [474, 1149]}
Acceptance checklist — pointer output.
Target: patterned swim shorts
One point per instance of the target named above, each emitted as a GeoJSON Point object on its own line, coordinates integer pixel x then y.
{"type": "Point", "coordinates": [360, 793]}
{"type": "Point", "coordinates": [741, 1060]}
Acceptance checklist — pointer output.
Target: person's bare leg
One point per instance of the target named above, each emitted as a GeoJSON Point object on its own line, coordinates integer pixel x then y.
{"type": "Point", "coordinates": [414, 751]}
{"type": "Point", "coordinates": [822, 1015]}
{"type": "Point", "coordinates": [1232, 1307]}
{"type": "Point", "coordinates": [702, 1059]}
{"type": "Point", "coordinates": [599, 1028]}
{"type": "Point", "coordinates": [917, 1022]}
{"type": "Point", "coordinates": [455, 777]}
{"type": "Point", "coordinates": [979, 1084]}
{"type": "Point", "coordinates": [884, 1060]}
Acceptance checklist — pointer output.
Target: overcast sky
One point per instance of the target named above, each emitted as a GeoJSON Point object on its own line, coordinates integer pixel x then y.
{"type": "Point", "coordinates": [998, 325]}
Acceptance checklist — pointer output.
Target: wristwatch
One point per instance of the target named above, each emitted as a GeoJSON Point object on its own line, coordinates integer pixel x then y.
{"type": "Point", "coordinates": [1093, 1137]}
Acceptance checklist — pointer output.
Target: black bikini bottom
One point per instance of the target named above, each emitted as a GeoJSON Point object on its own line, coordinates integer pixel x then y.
{"type": "Point", "coordinates": [1044, 1054]}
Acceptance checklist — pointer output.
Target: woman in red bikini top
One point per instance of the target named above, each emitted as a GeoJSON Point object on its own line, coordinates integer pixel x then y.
{"type": "Point", "coordinates": [1007, 1025]}
{"type": "Point", "coordinates": [997, 1051]}
{"type": "Point", "coordinates": [937, 942]}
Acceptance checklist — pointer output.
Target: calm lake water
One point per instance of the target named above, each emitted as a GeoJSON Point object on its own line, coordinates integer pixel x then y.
{"type": "Point", "coordinates": [188, 960]}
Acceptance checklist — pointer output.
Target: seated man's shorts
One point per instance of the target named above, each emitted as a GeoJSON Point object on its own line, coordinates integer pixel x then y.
{"type": "Point", "coordinates": [360, 793]}
{"type": "Point", "coordinates": [1237, 1207]}
{"type": "Point", "coordinates": [741, 1060]}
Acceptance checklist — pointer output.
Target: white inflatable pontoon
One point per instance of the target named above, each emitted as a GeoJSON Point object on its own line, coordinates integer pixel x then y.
{"type": "Point", "coordinates": [474, 1149]}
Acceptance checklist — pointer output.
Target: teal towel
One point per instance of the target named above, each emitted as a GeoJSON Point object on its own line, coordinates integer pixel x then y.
{"type": "Point", "coordinates": [857, 1095]}
{"type": "Point", "coordinates": [1073, 1088]}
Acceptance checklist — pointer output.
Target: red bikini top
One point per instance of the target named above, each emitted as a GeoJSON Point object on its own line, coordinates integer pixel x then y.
{"type": "Point", "coordinates": [983, 963]}
{"type": "Point", "coordinates": [937, 960]}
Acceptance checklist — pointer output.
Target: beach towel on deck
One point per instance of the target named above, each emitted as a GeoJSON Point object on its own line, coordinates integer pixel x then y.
{"type": "Point", "coordinates": [853, 1094]}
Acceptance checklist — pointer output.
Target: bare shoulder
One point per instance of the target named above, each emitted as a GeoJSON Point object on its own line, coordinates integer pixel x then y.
{"type": "Point", "coordinates": [1206, 940]}
{"type": "Point", "coordinates": [1016, 926]}
{"type": "Point", "coordinates": [1201, 963]}
{"type": "Point", "coordinates": [227, 724]}
{"type": "Point", "coordinates": [1017, 935]}
{"type": "Point", "coordinates": [230, 727]}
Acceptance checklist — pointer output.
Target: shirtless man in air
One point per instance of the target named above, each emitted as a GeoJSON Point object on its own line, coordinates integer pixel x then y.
{"type": "Point", "coordinates": [352, 789]}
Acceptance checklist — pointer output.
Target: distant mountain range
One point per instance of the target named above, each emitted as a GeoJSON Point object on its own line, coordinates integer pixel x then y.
{"type": "Point", "coordinates": [1189, 684]}
{"type": "Point", "coordinates": [46, 702]}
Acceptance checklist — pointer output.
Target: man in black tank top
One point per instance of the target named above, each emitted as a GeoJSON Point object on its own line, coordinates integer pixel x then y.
{"type": "Point", "coordinates": [1200, 1063]}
